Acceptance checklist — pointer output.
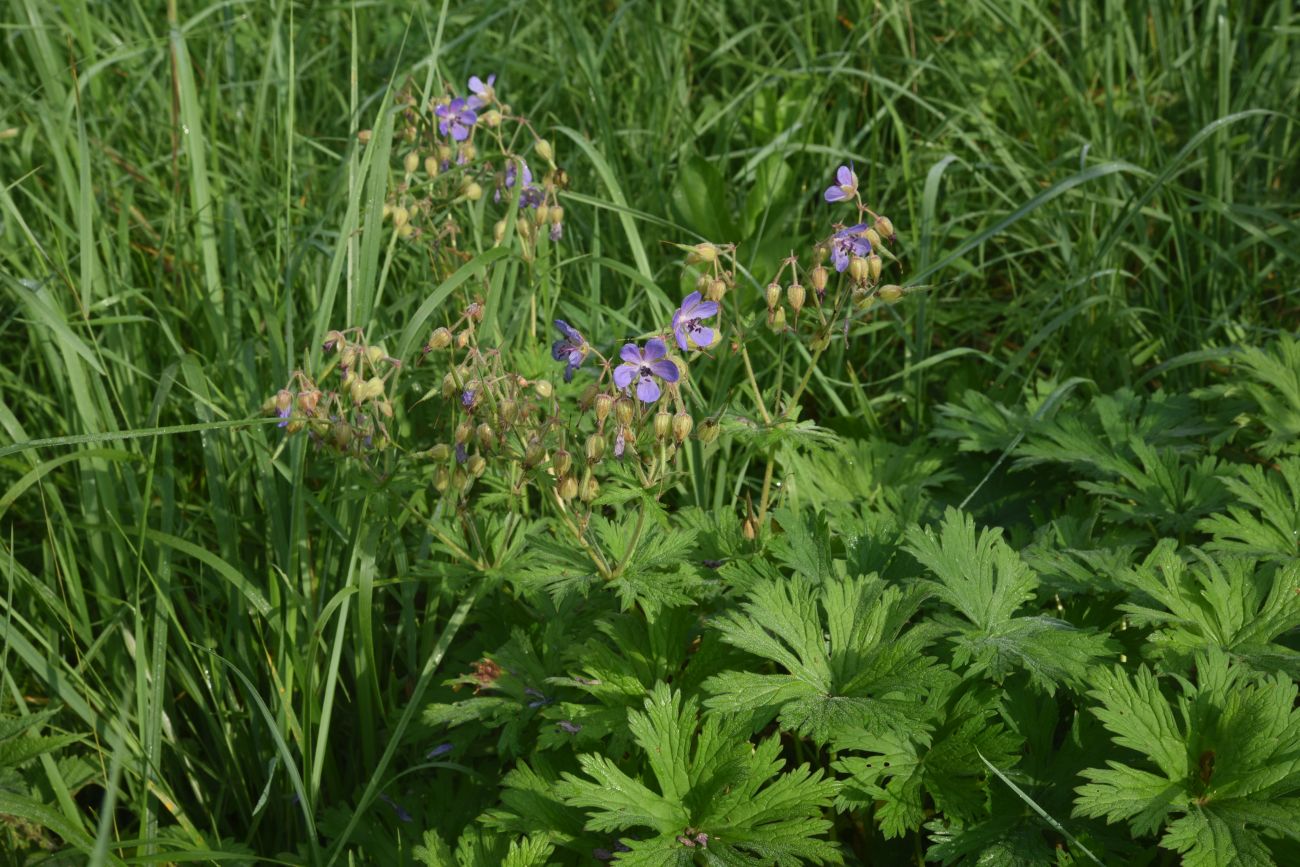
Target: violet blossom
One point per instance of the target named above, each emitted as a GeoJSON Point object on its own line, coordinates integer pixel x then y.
{"type": "Point", "coordinates": [571, 348]}
{"type": "Point", "coordinates": [845, 186]}
{"type": "Point", "coordinates": [456, 118]}
{"type": "Point", "coordinates": [482, 90]}
{"type": "Point", "coordinates": [847, 243]}
{"type": "Point", "coordinates": [645, 366]}
{"type": "Point", "coordinates": [688, 318]}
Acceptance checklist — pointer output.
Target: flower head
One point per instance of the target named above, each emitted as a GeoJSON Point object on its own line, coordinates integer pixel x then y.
{"type": "Point", "coordinates": [456, 118]}
{"type": "Point", "coordinates": [531, 195]}
{"type": "Point", "coordinates": [847, 243]}
{"type": "Point", "coordinates": [645, 366]}
{"type": "Point", "coordinates": [482, 90]}
{"type": "Point", "coordinates": [571, 348]}
{"type": "Point", "coordinates": [845, 186]}
{"type": "Point", "coordinates": [688, 318]}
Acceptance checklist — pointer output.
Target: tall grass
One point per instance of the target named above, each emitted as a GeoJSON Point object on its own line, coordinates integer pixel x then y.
{"type": "Point", "coordinates": [1088, 190]}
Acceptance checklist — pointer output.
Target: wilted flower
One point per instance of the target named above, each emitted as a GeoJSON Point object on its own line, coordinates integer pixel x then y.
{"type": "Point", "coordinates": [845, 186]}
{"type": "Point", "coordinates": [571, 348]}
{"type": "Point", "coordinates": [456, 118]}
{"type": "Point", "coordinates": [848, 243]}
{"type": "Point", "coordinates": [644, 365]}
{"type": "Point", "coordinates": [687, 321]}
{"type": "Point", "coordinates": [482, 90]}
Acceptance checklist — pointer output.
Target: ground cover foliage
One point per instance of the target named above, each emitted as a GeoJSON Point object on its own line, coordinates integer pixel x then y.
{"type": "Point", "coordinates": [911, 476]}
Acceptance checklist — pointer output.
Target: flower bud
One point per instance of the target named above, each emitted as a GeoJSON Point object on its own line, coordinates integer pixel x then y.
{"type": "Point", "coordinates": [709, 431]}
{"type": "Point", "coordinates": [449, 385]}
{"type": "Point", "coordinates": [595, 448]}
{"type": "Point", "coordinates": [777, 320]}
{"type": "Point", "coordinates": [431, 166]}
{"type": "Point", "coordinates": [467, 152]}
{"type": "Point", "coordinates": [400, 216]}
{"type": "Point", "coordinates": [499, 231]}
{"type": "Point", "coordinates": [557, 215]}
{"type": "Point", "coordinates": [890, 293]}
{"type": "Point", "coordinates": [859, 269]}
{"type": "Point", "coordinates": [706, 253]}
{"type": "Point", "coordinates": [567, 488]}
{"type": "Point", "coordinates": [363, 136]}
{"type": "Point", "coordinates": [411, 162]}
{"type": "Point", "coordinates": [473, 191]}
{"type": "Point", "coordinates": [875, 266]}
{"type": "Point", "coordinates": [543, 388]}
{"type": "Point", "coordinates": [543, 149]}
{"type": "Point", "coordinates": [561, 461]}
{"type": "Point", "coordinates": [682, 424]}
{"type": "Point", "coordinates": [441, 479]}
{"type": "Point", "coordinates": [534, 454]}
{"type": "Point", "coordinates": [717, 290]}
{"type": "Point", "coordinates": [444, 153]}
{"type": "Point", "coordinates": [507, 411]}
{"type": "Point", "coordinates": [463, 338]}
{"type": "Point", "coordinates": [818, 277]}
{"type": "Point", "coordinates": [357, 391]}
{"type": "Point", "coordinates": [604, 403]}
{"type": "Point", "coordinates": [348, 356]}
{"type": "Point", "coordinates": [623, 410]}
{"type": "Point", "coordinates": [374, 388]}
{"type": "Point", "coordinates": [307, 401]}
{"type": "Point", "coordinates": [749, 528]}
{"type": "Point", "coordinates": [542, 214]}
{"type": "Point", "coordinates": [773, 295]}
{"type": "Point", "coordinates": [476, 465]}
{"type": "Point", "coordinates": [873, 238]}
{"type": "Point", "coordinates": [491, 118]}
{"type": "Point", "coordinates": [663, 424]}
{"type": "Point", "coordinates": [590, 489]}
{"type": "Point", "coordinates": [886, 228]}
{"type": "Point", "coordinates": [820, 340]}
{"type": "Point", "coordinates": [796, 295]}
{"type": "Point", "coordinates": [375, 354]}
{"type": "Point", "coordinates": [702, 283]}
{"type": "Point", "coordinates": [283, 400]}
{"type": "Point", "coordinates": [440, 338]}
{"type": "Point", "coordinates": [407, 231]}
{"type": "Point", "coordinates": [862, 298]}
{"type": "Point", "coordinates": [464, 431]}
{"type": "Point", "coordinates": [486, 436]}
{"type": "Point", "coordinates": [440, 453]}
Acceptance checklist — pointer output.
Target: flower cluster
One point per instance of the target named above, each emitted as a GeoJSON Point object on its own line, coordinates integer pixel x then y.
{"type": "Point", "coordinates": [449, 153]}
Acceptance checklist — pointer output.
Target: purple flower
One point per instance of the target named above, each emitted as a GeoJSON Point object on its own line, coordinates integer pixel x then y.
{"type": "Point", "coordinates": [847, 243]}
{"type": "Point", "coordinates": [483, 91]}
{"type": "Point", "coordinates": [468, 398]}
{"type": "Point", "coordinates": [644, 365]}
{"type": "Point", "coordinates": [456, 118]}
{"type": "Point", "coordinates": [845, 186]}
{"type": "Point", "coordinates": [570, 727]}
{"type": "Point", "coordinates": [687, 319]}
{"type": "Point", "coordinates": [571, 348]}
{"type": "Point", "coordinates": [531, 195]}
{"type": "Point", "coordinates": [557, 231]}
{"type": "Point", "coordinates": [620, 441]}
{"type": "Point", "coordinates": [439, 750]}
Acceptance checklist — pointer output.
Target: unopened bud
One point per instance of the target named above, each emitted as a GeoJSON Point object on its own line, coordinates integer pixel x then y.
{"type": "Point", "coordinates": [702, 283]}
{"type": "Point", "coordinates": [875, 266]}
{"type": "Point", "coordinates": [464, 431]}
{"type": "Point", "coordinates": [717, 290]}
{"type": "Point", "coordinates": [348, 356]}
{"type": "Point", "coordinates": [567, 488]}
{"type": "Point", "coordinates": [604, 403]}
{"type": "Point", "coordinates": [449, 386]}
{"type": "Point", "coordinates": [492, 118]}
{"type": "Point", "coordinates": [818, 276]}
{"type": "Point", "coordinates": [709, 431]}
{"type": "Point", "coordinates": [773, 294]}
{"type": "Point", "coordinates": [283, 400]}
{"type": "Point", "coordinates": [590, 489]}
{"type": "Point", "coordinates": [859, 269]}
{"type": "Point", "coordinates": [374, 388]}
{"type": "Point", "coordinates": [441, 479]}
{"type": "Point", "coordinates": [663, 424]}
{"type": "Point", "coordinates": [796, 295]}
{"type": "Point", "coordinates": [499, 231]}
{"type": "Point", "coordinates": [444, 153]}
{"type": "Point", "coordinates": [542, 214]}
{"type": "Point", "coordinates": [375, 354]}
{"type": "Point", "coordinates": [357, 391]}
{"type": "Point", "coordinates": [440, 453]}
{"type": "Point", "coordinates": [885, 228]}
{"type": "Point", "coordinates": [561, 461]}
{"type": "Point", "coordinates": [543, 149]}
{"type": "Point", "coordinates": [440, 338]}
{"type": "Point", "coordinates": [486, 436]}
{"type": "Point", "coordinates": [534, 454]}
{"type": "Point", "coordinates": [777, 320]}
{"type": "Point", "coordinates": [476, 465]}
{"type": "Point", "coordinates": [523, 228]}
{"type": "Point", "coordinates": [557, 215]}
{"type": "Point", "coordinates": [682, 424]}
{"type": "Point", "coordinates": [543, 388]}
{"type": "Point", "coordinates": [623, 410]}
{"type": "Point", "coordinates": [473, 191]}
{"type": "Point", "coordinates": [749, 528]}
{"type": "Point", "coordinates": [595, 448]}
{"type": "Point", "coordinates": [873, 238]}
{"type": "Point", "coordinates": [463, 338]}
{"type": "Point", "coordinates": [507, 411]}
{"type": "Point", "coordinates": [706, 253]}
{"type": "Point", "coordinates": [820, 340]}
{"type": "Point", "coordinates": [363, 136]}
{"type": "Point", "coordinates": [890, 293]}
{"type": "Point", "coordinates": [400, 216]}
{"type": "Point", "coordinates": [431, 166]}
{"type": "Point", "coordinates": [411, 162]}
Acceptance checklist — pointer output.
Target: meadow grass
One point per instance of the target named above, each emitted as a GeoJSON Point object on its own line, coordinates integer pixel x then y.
{"type": "Point", "coordinates": [237, 651]}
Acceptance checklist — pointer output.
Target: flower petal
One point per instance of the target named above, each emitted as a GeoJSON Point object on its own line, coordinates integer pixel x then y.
{"type": "Point", "coordinates": [665, 370]}
{"type": "Point", "coordinates": [623, 375]}
{"type": "Point", "coordinates": [654, 348]}
{"type": "Point", "coordinates": [835, 194]}
{"type": "Point", "coordinates": [702, 335]}
{"type": "Point", "coordinates": [647, 390]}
{"type": "Point", "coordinates": [706, 309]}
{"type": "Point", "coordinates": [680, 333]}
{"type": "Point", "coordinates": [846, 177]}
{"type": "Point", "coordinates": [690, 302]}
{"type": "Point", "coordinates": [839, 258]}
{"type": "Point", "coordinates": [631, 353]}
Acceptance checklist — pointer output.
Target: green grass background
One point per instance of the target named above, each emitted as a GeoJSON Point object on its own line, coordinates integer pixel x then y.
{"type": "Point", "coordinates": [1104, 190]}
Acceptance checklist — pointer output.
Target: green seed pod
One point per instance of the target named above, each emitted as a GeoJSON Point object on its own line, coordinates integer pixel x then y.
{"type": "Point", "coordinates": [431, 166]}
{"type": "Point", "coordinates": [448, 385]}
{"type": "Point", "coordinates": [357, 391]}
{"type": "Point", "coordinates": [543, 388]}
{"type": "Point", "coordinates": [440, 453]}
{"type": "Point", "coordinates": [542, 214]}
{"type": "Point", "coordinates": [507, 411]}
{"type": "Point", "coordinates": [588, 398]}
{"type": "Point", "coordinates": [682, 424]}
{"type": "Point", "coordinates": [595, 448]}
{"type": "Point", "coordinates": [859, 269]}
{"type": "Point", "coordinates": [777, 320]}
{"type": "Point", "coordinates": [590, 488]}
{"type": "Point", "coordinates": [702, 283]}
{"type": "Point", "coordinates": [567, 488]}
{"type": "Point", "coordinates": [464, 431]}
{"type": "Point", "coordinates": [886, 228]}
{"type": "Point", "coordinates": [400, 216]}
{"type": "Point", "coordinates": [560, 462]}
{"type": "Point", "coordinates": [476, 465]}
{"type": "Point", "coordinates": [440, 338]}
{"type": "Point", "coordinates": [499, 231]}
{"type": "Point", "coordinates": [875, 266]}
{"type": "Point", "coordinates": [717, 290]}
{"type": "Point", "coordinates": [486, 436]}
{"type": "Point", "coordinates": [557, 215]}
{"type": "Point", "coordinates": [441, 479]}
{"type": "Point", "coordinates": [411, 162]}
{"type": "Point", "coordinates": [543, 149]}
{"type": "Point", "coordinates": [473, 191]}
{"type": "Point", "coordinates": [708, 431]}
{"type": "Point", "coordinates": [604, 403]}
{"type": "Point", "coordinates": [663, 424]}
{"type": "Point", "coordinates": [534, 454]}
{"type": "Point", "coordinates": [706, 253]}
{"type": "Point", "coordinates": [623, 410]}
{"type": "Point", "coordinates": [463, 338]}
{"type": "Point", "coordinates": [820, 340]}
